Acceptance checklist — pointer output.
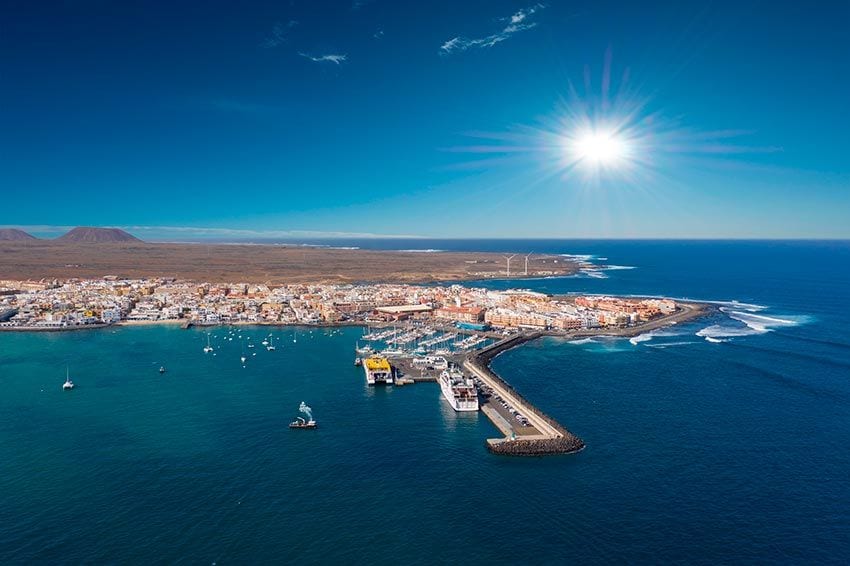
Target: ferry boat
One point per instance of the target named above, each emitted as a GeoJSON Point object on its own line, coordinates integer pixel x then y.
{"type": "Point", "coordinates": [378, 370]}
{"type": "Point", "coordinates": [301, 422]}
{"type": "Point", "coordinates": [459, 390]}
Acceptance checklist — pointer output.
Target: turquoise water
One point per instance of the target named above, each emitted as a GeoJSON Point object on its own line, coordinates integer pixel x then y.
{"type": "Point", "coordinates": [725, 451]}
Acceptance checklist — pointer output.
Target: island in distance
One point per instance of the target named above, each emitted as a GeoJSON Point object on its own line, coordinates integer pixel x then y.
{"type": "Point", "coordinates": [14, 235]}
{"type": "Point", "coordinates": [85, 234]}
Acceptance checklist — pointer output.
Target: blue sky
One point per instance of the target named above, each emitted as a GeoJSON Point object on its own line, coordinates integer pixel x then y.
{"type": "Point", "coordinates": [450, 119]}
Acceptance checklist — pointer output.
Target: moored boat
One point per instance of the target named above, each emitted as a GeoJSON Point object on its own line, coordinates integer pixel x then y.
{"type": "Point", "coordinates": [458, 390]}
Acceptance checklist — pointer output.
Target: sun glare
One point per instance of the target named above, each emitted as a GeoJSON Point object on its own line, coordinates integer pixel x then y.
{"type": "Point", "coordinates": [599, 148]}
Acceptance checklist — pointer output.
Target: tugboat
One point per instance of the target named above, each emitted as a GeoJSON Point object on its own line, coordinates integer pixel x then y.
{"type": "Point", "coordinates": [301, 422]}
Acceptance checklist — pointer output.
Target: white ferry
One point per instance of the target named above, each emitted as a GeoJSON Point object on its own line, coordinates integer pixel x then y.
{"type": "Point", "coordinates": [458, 390]}
{"type": "Point", "coordinates": [378, 370]}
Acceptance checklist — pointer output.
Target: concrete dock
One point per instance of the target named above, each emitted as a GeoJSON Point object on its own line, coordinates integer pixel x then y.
{"type": "Point", "coordinates": [543, 436]}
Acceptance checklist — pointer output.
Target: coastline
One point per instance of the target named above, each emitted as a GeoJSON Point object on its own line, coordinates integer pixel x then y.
{"type": "Point", "coordinates": [690, 311]}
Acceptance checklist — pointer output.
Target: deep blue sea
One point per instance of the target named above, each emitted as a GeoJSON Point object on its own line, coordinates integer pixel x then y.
{"type": "Point", "coordinates": [726, 440]}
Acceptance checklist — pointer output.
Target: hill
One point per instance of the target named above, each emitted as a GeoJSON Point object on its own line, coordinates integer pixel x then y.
{"type": "Point", "coordinates": [85, 234]}
{"type": "Point", "coordinates": [15, 235]}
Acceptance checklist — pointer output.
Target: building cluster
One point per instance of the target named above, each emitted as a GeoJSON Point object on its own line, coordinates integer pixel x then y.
{"type": "Point", "coordinates": [73, 303]}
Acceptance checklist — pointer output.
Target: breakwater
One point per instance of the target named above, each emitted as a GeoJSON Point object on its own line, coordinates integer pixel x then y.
{"type": "Point", "coordinates": [548, 436]}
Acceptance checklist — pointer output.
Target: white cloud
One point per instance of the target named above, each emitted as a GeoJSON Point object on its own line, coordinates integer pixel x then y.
{"type": "Point", "coordinates": [279, 35]}
{"type": "Point", "coordinates": [331, 58]}
{"type": "Point", "coordinates": [517, 22]}
{"type": "Point", "coordinates": [378, 34]}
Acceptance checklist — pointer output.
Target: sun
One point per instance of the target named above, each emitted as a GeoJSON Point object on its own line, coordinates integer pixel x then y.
{"type": "Point", "coordinates": [601, 148]}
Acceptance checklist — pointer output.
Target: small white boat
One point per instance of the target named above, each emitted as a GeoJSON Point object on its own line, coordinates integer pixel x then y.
{"type": "Point", "coordinates": [68, 383]}
{"type": "Point", "coordinates": [208, 348]}
{"type": "Point", "coordinates": [270, 347]}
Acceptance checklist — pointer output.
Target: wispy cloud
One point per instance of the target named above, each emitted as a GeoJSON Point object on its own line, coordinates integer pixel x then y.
{"type": "Point", "coordinates": [329, 58]}
{"type": "Point", "coordinates": [279, 34]}
{"type": "Point", "coordinates": [378, 34]}
{"type": "Point", "coordinates": [517, 22]}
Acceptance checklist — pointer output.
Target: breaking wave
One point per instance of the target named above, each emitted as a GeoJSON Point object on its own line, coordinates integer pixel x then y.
{"type": "Point", "coordinates": [594, 273]}
{"type": "Point", "coordinates": [748, 322]}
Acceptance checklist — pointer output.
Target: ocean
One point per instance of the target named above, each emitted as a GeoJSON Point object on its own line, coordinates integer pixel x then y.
{"type": "Point", "coordinates": [724, 440]}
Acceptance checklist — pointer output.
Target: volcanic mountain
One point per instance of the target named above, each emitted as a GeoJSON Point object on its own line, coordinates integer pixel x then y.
{"type": "Point", "coordinates": [89, 235]}
{"type": "Point", "coordinates": [15, 235]}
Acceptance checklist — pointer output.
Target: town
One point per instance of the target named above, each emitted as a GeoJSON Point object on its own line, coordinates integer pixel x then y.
{"type": "Point", "coordinates": [77, 303]}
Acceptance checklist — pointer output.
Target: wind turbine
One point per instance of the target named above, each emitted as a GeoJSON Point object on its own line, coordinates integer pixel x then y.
{"type": "Point", "coordinates": [526, 262]}
{"type": "Point", "coordinates": [509, 258]}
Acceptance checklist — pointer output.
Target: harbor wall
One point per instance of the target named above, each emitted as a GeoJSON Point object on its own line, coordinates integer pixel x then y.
{"type": "Point", "coordinates": [566, 443]}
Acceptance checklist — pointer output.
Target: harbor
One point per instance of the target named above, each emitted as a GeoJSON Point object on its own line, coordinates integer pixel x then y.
{"type": "Point", "coordinates": [468, 384]}
{"type": "Point", "coordinates": [458, 359]}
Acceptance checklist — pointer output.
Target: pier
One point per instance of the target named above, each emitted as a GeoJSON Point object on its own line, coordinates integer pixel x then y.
{"type": "Point", "coordinates": [543, 435]}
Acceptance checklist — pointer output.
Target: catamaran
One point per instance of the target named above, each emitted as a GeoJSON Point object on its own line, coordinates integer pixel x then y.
{"type": "Point", "coordinates": [208, 348]}
{"type": "Point", "coordinates": [68, 383]}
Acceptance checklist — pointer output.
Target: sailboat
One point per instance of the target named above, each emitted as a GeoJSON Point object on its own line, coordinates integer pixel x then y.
{"type": "Point", "coordinates": [68, 383]}
{"type": "Point", "coordinates": [270, 346]}
{"type": "Point", "coordinates": [208, 348]}
{"type": "Point", "coordinates": [243, 358]}
{"type": "Point", "coordinates": [295, 337]}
